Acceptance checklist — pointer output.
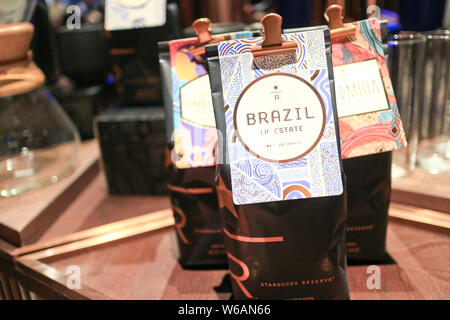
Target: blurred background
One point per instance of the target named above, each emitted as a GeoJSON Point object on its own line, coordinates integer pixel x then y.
{"type": "Point", "coordinates": [100, 61]}
{"type": "Point", "coordinates": [95, 67]}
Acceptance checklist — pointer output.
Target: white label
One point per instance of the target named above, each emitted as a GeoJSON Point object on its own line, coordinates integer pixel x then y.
{"type": "Point", "coordinates": [131, 14]}
{"type": "Point", "coordinates": [359, 88]}
{"type": "Point", "coordinates": [196, 102]}
{"type": "Point", "coordinates": [279, 117]}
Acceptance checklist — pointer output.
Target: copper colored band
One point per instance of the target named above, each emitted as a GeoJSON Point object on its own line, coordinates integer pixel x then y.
{"type": "Point", "coordinates": [190, 190]}
{"type": "Point", "coordinates": [252, 239]}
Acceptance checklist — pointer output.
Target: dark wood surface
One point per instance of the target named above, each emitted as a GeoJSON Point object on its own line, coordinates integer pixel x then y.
{"type": "Point", "coordinates": [150, 271]}
{"type": "Point", "coordinates": [145, 266]}
{"type": "Point", "coordinates": [51, 284]}
{"type": "Point", "coordinates": [94, 207]}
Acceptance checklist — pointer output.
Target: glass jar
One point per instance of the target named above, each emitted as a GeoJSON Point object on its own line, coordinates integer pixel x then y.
{"type": "Point", "coordinates": [406, 53]}
{"type": "Point", "coordinates": [434, 144]}
{"type": "Point", "coordinates": [38, 142]}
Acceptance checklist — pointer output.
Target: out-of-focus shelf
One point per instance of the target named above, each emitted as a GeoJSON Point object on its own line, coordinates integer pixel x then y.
{"type": "Point", "coordinates": [420, 215]}
{"type": "Point", "coordinates": [25, 217]}
{"type": "Point", "coordinates": [424, 190]}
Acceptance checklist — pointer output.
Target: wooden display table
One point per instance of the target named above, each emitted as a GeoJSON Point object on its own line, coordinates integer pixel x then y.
{"type": "Point", "coordinates": [144, 265]}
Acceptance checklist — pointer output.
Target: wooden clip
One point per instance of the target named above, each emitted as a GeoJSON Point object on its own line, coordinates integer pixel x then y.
{"type": "Point", "coordinates": [202, 28]}
{"type": "Point", "coordinates": [273, 43]}
{"type": "Point", "coordinates": [333, 15]}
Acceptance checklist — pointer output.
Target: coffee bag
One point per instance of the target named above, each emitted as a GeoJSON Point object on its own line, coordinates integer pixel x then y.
{"type": "Point", "coordinates": [191, 139]}
{"type": "Point", "coordinates": [370, 128]}
{"type": "Point", "coordinates": [279, 178]}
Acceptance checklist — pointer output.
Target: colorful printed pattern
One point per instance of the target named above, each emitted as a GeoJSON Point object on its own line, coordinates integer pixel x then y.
{"type": "Point", "coordinates": [194, 143]}
{"type": "Point", "coordinates": [373, 132]}
{"type": "Point", "coordinates": [318, 173]}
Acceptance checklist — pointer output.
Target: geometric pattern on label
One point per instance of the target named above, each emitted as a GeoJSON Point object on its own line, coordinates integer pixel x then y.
{"type": "Point", "coordinates": [313, 175]}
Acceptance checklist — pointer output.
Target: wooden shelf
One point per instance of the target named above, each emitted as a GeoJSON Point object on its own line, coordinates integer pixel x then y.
{"type": "Point", "coordinates": [424, 190]}
{"type": "Point", "coordinates": [25, 217]}
{"type": "Point", "coordinates": [145, 266]}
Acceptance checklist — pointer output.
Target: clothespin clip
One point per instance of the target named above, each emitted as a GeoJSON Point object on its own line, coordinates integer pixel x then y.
{"type": "Point", "coordinates": [273, 43]}
{"type": "Point", "coordinates": [202, 28]}
{"type": "Point", "coordinates": [333, 15]}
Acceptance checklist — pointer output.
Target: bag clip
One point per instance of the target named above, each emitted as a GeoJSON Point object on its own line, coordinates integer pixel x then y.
{"type": "Point", "coordinates": [333, 15]}
{"type": "Point", "coordinates": [202, 28]}
{"type": "Point", "coordinates": [273, 42]}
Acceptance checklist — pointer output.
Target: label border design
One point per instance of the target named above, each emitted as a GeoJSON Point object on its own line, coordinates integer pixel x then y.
{"type": "Point", "coordinates": [181, 105]}
{"type": "Point", "coordinates": [382, 82]}
{"type": "Point", "coordinates": [324, 114]}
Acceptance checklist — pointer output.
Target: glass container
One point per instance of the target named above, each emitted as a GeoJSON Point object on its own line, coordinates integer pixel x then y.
{"type": "Point", "coordinates": [406, 56]}
{"type": "Point", "coordinates": [38, 142]}
{"type": "Point", "coordinates": [434, 145]}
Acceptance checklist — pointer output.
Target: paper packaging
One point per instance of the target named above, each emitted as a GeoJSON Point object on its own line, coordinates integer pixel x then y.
{"type": "Point", "coordinates": [283, 220]}
{"type": "Point", "coordinates": [370, 128]}
{"type": "Point", "coordinates": [191, 139]}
